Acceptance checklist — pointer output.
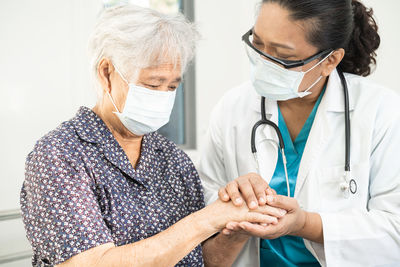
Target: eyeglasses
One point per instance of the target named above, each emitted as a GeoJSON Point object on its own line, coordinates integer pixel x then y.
{"type": "Point", "coordinates": [287, 64]}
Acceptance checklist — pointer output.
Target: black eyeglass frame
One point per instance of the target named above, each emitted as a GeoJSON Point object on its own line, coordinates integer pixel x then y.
{"type": "Point", "coordinates": [287, 64]}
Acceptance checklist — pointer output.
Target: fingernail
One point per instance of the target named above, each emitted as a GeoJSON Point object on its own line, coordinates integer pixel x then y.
{"type": "Point", "coordinates": [226, 196]}
{"type": "Point", "coordinates": [261, 200]}
{"type": "Point", "coordinates": [282, 212]}
{"type": "Point", "coordinates": [264, 224]}
{"type": "Point", "coordinates": [269, 191]}
{"type": "Point", "coordinates": [253, 204]}
{"type": "Point", "coordinates": [270, 198]}
{"type": "Point", "coordinates": [238, 200]}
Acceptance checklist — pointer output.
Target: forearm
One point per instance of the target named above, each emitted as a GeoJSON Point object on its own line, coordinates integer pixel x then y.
{"type": "Point", "coordinates": [312, 229]}
{"type": "Point", "coordinates": [222, 250]}
{"type": "Point", "coordinates": [166, 248]}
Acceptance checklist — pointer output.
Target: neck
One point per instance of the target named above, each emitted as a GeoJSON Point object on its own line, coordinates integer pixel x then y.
{"type": "Point", "coordinates": [118, 130]}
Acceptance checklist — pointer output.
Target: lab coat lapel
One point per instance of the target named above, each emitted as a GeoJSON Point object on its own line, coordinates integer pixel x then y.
{"type": "Point", "coordinates": [319, 134]}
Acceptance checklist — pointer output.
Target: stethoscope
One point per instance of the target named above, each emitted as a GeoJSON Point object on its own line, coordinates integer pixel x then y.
{"type": "Point", "coordinates": [348, 184]}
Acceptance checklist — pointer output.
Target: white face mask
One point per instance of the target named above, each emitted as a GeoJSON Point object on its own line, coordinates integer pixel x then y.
{"type": "Point", "coordinates": [275, 82]}
{"type": "Point", "coordinates": [145, 110]}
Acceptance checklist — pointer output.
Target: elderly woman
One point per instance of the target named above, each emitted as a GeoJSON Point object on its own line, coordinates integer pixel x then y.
{"type": "Point", "coordinates": [104, 189]}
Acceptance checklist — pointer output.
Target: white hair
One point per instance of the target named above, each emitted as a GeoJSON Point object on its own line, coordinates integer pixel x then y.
{"type": "Point", "coordinates": [134, 38]}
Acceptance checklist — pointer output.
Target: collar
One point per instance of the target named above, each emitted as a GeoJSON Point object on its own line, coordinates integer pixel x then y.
{"type": "Point", "coordinates": [91, 128]}
{"type": "Point", "coordinates": [334, 95]}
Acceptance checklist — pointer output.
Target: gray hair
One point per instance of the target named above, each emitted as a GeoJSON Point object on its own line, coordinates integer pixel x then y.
{"type": "Point", "coordinates": [134, 38]}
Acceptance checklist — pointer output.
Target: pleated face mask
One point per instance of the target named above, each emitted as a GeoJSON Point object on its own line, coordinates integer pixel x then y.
{"type": "Point", "coordinates": [145, 110]}
{"type": "Point", "coordinates": [275, 82]}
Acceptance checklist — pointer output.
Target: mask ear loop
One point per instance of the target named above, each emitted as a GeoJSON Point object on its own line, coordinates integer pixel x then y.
{"type": "Point", "coordinates": [306, 92]}
{"type": "Point", "coordinates": [112, 101]}
{"type": "Point", "coordinates": [108, 93]}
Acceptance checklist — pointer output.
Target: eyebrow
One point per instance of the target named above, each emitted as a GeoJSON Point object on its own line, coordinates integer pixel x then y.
{"type": "Point", "coordinates": [162, 79]}
{"type": "Point", "coordinates": [275, 44]}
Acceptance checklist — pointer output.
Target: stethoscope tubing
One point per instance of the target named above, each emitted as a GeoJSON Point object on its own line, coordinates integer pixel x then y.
{"type": "Point", "coordinates": [350, 183]}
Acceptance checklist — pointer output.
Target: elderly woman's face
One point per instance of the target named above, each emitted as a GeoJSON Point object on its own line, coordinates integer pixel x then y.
{"type": "Point", "coordinates": [164, 77]}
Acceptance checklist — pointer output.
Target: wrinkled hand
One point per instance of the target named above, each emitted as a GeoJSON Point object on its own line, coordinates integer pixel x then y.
{"type": "Point", "coordinates": [250, 188]}
{"type": "Point", "coordinates": [290, 224]}
{"type": "Point", "coordinates": [225, 212]}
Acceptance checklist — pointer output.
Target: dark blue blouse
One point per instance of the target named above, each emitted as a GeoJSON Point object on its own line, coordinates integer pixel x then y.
{"type": "Point", "coordinates": [81, 191]}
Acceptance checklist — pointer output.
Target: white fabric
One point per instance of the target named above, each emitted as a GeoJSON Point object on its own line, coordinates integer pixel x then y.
{"type": "Point", "coordinates": [145, 110]}
{"type": "Point", "coordinates": [362, 230]}
{"type": "Point", "coordinates": [275, 82]}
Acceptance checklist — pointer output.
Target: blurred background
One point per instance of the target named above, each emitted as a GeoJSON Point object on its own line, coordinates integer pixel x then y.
{"type": "Point", "coordinates": [44, 78]}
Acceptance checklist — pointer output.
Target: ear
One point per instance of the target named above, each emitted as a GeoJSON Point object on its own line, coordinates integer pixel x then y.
{"type": "Point", "coordinates": [332, 62]}
{"type": "Point", "coordinates": [104, 69]}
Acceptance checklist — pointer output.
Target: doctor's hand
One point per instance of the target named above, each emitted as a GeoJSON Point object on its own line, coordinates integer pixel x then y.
{"type": "Point", "coordinates": [296, 222]}
{"type": "Point", "coordinates": [249, 188]}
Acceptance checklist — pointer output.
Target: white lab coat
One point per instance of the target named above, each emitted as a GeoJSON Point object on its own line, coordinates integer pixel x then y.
{"type": "Point", "coordinates": [362, 230]}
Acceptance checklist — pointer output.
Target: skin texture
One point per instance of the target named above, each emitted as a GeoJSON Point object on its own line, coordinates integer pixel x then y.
{"type": "Point", "coordinates": [178, 240]}
{"type": "Point", "coordinates": [278, 35]}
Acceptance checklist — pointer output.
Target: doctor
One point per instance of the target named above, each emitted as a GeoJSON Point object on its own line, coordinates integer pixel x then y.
{"type": "Point", "coordinates": [338, 214]}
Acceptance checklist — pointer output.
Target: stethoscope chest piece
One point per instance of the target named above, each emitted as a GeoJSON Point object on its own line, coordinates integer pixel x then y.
{"type": "Point", "coordinates": [353, 186]}
{"type": "Point", "coordinates": [349, 185]}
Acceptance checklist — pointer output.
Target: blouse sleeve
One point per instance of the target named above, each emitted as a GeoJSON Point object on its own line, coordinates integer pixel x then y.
{"type": "Point", "coordinates": [60, 211]}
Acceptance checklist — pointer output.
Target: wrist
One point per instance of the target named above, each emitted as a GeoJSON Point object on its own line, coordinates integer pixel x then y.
{"type": "Point", "coordinates": [236, 237]}
{"type": "Point", "coordinates": [303, 225]}
{"type": "Point", "coordinates": [213, 217]}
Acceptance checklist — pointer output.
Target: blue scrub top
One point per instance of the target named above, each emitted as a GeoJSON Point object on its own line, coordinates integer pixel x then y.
{"type": "Point", "coordinates": [289, 250]}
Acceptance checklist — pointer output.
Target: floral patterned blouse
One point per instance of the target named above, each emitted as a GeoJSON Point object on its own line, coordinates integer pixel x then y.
{"type": "Point", "coordinates": [81, 191]}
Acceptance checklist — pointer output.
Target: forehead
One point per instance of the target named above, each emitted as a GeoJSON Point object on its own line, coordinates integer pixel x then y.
{"type": "Point", "coordinates": [275, 25]}
{"type": "Point", "coordinates": [165, 70]}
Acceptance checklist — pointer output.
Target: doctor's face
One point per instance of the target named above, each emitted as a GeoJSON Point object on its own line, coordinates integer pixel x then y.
{"type": "Point", "coordinates": [276, 34]}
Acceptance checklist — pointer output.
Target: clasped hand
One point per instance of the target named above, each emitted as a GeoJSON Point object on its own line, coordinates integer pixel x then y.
{"type": "Point", "coordinates": [253, 190]}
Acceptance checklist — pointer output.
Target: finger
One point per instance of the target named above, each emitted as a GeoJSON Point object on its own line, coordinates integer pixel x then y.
{"type": "Point", "coordinates": [259, 187]}
{"type": "Point", "coordinates": [271, 191]}
{"type": "Point", "coordinates": [248, 193]}
{"type": "Point", "coordinates": [232, 189]}
{"type": "Point", "coordinates": [273, 211]}
{"type": "Point", "coordinates": [233, 226]}
{"type": "Point", "coordinates": [226, 231]}
{"type": "Point", "coordinates": [223, 195]}
{"type": "Point", "coordinates": [256, 217]}
{"type": "Point", "coordinates": [256, 229]}
{"type": "Point", "coordinates": [283, 202]}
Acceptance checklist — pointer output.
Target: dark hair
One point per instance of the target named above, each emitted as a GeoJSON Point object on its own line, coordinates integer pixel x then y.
{"type": "Point", "coordinates": [335, 24]}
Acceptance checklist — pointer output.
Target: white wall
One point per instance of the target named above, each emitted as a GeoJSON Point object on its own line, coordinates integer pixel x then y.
{"type": "Point", "coordinates": [222, 63]}
{"type": "Point", "coordinates": [43, 77]}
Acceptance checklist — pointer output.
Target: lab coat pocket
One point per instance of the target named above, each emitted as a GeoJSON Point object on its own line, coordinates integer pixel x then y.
{"type": "Point", "coordinates": [333, 198]}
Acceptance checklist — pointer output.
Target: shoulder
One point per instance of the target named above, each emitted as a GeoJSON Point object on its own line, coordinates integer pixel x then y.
{"type": "Point", "coordinates": [376, 100]}
{"type": "Point", "coordinates": [59, 140]}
